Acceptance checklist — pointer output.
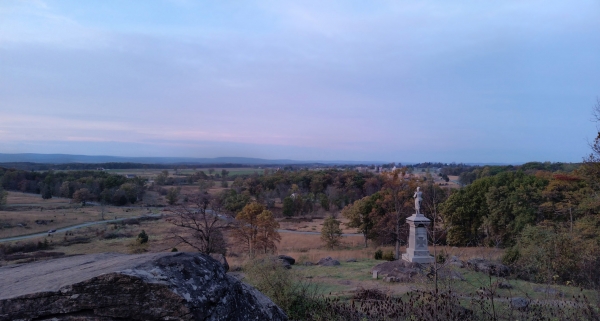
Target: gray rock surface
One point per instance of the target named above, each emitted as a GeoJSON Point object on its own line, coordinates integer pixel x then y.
{"type": "Point", "coordinates": [153, 286]}
{"type": "Point", "coordinates": [328, 261]}
{"type": "Point", "coordinates": [454, 260]}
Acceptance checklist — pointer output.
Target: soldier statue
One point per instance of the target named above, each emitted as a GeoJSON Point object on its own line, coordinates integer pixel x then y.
{"type": "Point", "coordinates": [418, 199]}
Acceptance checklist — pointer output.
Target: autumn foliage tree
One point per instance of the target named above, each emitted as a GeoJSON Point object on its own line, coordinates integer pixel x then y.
{"type": "Point", "coordinates": [256, 229]}
{"type": "Point", "coordinates": [82, 196]}
{"type": "Point", "coordinates": [267, 233]}
{"type": "Point", "coordinates": [331, 233]}
{"type": "Point", "coordinates": [359, 216]}
{"type": "Point", "coordinates": [397, 203]}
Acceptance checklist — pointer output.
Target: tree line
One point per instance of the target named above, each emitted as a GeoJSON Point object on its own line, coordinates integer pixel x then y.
{"type": "Point", "coordinates": [306, 191]}
{"type": "Point", "coordinates": [82, 186]}
{"type": "Point", "coordinates": [113, 165]}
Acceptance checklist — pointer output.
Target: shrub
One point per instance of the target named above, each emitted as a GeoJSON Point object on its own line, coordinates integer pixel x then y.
{"type": "Point", "coordinates": [549, 253]}
{"type": "Point", "coordinates": [331, 233]}
{"type": "Point", "coordinates": [25, 247]}
{"type": "Point", "coordinates": [115, 235]}
{"type": "Point", "coordinates": [511, 255]}
{"type": "Point", "coordinates": [441, 257]}
{"type": "Point", "coordinates": [431, 305]}
{"type": "Point", "coordinates": [142, 237]}
{"type": "Point", "coordinates": [378, 255]}
{"type": "Point", "coordinates": [286, 288]}
{"type": "Point", "coordinates": [388, 256]}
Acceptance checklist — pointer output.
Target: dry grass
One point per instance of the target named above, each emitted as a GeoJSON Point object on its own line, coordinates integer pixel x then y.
{"type": "Point", "coordinates": [17, 198]}
{"type": "Point", "coordinates": [54, 219]}
{"type": "Point", "coordinates": [52, 214]}
{"type": "Point", "coordinates": [466, 253]}
{"type": "Point", "coordinates": [312, 224]}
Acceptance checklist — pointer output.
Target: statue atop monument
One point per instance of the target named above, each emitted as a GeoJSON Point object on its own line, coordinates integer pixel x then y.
{"type": "Point", "coordinates": [418, 199]}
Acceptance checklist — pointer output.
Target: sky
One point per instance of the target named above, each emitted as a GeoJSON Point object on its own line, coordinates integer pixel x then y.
{"type": "Point", "coordinates": [403, 81]}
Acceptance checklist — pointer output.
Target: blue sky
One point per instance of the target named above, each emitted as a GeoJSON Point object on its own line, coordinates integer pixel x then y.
{"type": "Point", "coordinates": [404, 81]}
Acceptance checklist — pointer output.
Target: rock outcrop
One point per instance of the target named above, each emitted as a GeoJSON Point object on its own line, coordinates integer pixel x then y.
{"type": "Point", "coordinates": [328, 261]}
{"type": "Point", "coordinates": [107, 287]}
{"type": "Point", "coordinates": [290, 260]}
{"type": "Point", "coordinates": [397, 271]}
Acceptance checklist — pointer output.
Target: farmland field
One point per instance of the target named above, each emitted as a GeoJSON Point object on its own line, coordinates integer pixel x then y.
{"type": "Point", "coordinates": [149, 173]}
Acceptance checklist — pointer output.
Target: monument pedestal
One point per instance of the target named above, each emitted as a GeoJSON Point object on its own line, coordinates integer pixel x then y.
{"type": "Point", "coordinates": [417, 250]}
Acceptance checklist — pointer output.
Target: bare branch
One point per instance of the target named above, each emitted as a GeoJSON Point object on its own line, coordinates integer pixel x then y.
{"type": "Point", "coordinates": [203, 224]}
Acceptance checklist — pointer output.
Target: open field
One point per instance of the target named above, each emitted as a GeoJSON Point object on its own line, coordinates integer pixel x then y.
{"type": "Point", "coordinates": [27, 199]}
{"type": "Point", "coordinates": [30, 214]}
{"type": "Point", "coordinates": [150, 173]}
{"type": "Point", "coordinates": [232, 171]}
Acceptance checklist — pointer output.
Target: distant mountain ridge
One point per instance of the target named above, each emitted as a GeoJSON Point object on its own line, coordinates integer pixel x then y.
{"type": "Point", "coordinates": [67, 158]}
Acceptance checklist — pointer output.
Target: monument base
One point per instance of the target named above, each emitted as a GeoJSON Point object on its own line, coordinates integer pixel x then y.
{"type": "Point", "coordinates": [417, 250]}
{"type": "Point", "coordinates": [418, 259]}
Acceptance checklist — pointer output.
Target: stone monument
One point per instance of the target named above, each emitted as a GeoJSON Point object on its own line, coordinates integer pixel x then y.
{"type": "Point", "coordinates": [417, 250]}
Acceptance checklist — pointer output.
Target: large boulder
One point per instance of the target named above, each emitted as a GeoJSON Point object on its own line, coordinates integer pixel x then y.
{"type": "Point", "coordinates": [328, 261]}
{"type": "Point", "coordinates": [397, 271]}
{"type": "Point", "coordinates": [153, 286]}
{"type": "Point", "coordinates": [285, 264]}
{"type": "Point", "coordinates": [290, 260]}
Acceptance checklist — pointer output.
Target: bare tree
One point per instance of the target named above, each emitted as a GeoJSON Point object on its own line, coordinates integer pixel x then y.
{"type": "Point", "coordinates": [102, 209]}
{"type": "Point", "coordinates": [591, 168]}
{"type": "Point", "coordinates": [433, 197]}
{"type": "Point", "coordinates": [198, 226]}
{"type": "Point", "coordinates": [400, 192]}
